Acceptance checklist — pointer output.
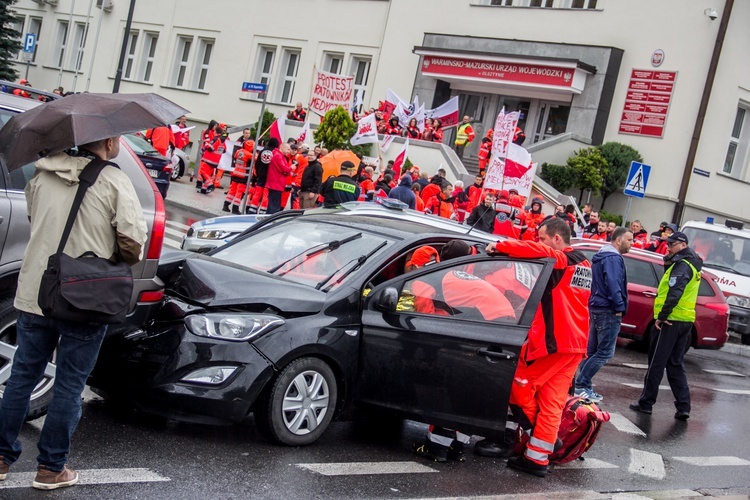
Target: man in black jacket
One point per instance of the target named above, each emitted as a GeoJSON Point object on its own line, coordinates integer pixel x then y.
{"type": "Point", "coordinates": [482, 217]}
{"type": "Point", "coordinates": [341, 188]}
{"type": "Point", "coordinates": [312, 178]}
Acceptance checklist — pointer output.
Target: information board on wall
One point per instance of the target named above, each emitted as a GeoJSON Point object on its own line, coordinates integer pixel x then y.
{"type": "Point", "coordinates": [647, 102]}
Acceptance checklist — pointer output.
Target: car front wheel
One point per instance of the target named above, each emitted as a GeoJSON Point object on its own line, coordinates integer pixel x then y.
{"type": "Point", "coordinates": [300, 404]}
{"type": "Point", "coordinates": [42, 393]}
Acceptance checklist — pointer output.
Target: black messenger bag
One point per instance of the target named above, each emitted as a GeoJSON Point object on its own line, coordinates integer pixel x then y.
{"type": "Point", "coordinates": [87, 289]}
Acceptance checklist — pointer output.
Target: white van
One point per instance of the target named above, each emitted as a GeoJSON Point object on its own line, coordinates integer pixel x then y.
{"type": "Point", "coordinates": [726, 253]}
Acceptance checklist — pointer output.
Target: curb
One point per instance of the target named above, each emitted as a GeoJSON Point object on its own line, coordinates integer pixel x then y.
{"type": "Point", "coordinates": [191, 208]}
{"type": "Point", "coordinates": [740, 350]}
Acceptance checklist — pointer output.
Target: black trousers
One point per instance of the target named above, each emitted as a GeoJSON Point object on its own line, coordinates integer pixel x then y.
{"type": "Point", "coordinates": [667, 350]}
{"type": "Point", "coordinates": [274, 201]}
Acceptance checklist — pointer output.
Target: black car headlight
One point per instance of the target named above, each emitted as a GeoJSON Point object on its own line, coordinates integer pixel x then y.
{"type": "Point", "coordinates": [213, 234]}
{"type": "Point", "coordinates": [234, 327]}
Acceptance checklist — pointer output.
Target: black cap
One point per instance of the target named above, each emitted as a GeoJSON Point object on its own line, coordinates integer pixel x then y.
{"type": "Point", "coordinates": [347, 165]}
{"type": "Point", "coordinates": [453, 249]}
{"type": "Point", "coordinates": [678, 236]}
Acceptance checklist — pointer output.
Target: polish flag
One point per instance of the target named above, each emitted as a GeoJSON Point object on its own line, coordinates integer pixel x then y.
{"type": "Point", "coordinates": [401, 158]}
{"type": "Point", "coordinates": [518, 161]}
{"type": "Point", "coordinates": [446, 112]}
{"type": "Point", "coordinates": [305, 135]}
{"type": "Point", "coordinates": [277, 130]}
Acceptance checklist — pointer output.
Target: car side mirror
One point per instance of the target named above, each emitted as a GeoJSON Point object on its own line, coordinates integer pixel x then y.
{"type": "Point", "coordinates": [387, 300]}
{"type": "Point", "coordinates": [205, 249]}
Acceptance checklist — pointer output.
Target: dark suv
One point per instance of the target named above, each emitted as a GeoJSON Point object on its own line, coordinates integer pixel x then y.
{"type": "Point", "coordinates": [14, 236]}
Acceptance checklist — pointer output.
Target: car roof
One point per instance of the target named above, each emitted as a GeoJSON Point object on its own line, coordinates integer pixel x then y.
{"type": "Point", "coordinates": [31, 90]}
{"type": "Point", "coordinates": [717, 228]}
{"type": "Point", "coordinates": [634, 252]}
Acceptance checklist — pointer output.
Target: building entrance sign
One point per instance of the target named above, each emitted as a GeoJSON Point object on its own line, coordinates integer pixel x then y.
{"type": "Point", "coordinates": [647, 102]}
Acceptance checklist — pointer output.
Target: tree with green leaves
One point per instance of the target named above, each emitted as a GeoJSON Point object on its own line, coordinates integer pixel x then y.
{"type": "Point", "coordinates": [588, 168]}
{"type": "Point", "coordinates": [336, 129]}
{"type": "Point", "coordinates": [10, 41]}
{"type": "Point", "coordinates": [558, 176]}
{"type": "Point", "coordinates": [618, 157]}
{"type": "Point", "coordinates": [268, 119]}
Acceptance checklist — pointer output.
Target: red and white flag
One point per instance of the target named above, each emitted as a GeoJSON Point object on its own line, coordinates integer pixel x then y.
{"type": "Point", "coordinates": [521, 184]}
{"type": "Point", "coordinates": [401, 158]}
{"type": "Point", "coordinates": [386, 143]}
{"type": "Point", "coordinates": [367, 131]}
{"type": "Point", "coordinates": [304, 135]}
{"type": "Point", "coordinates": [502, 139]}
{"type": "Point", "coordinates": [518, 161]}
{"type": "Point", "coordinates": [447, 113]}
{"type": "Point", "coordinates": [277, 130]}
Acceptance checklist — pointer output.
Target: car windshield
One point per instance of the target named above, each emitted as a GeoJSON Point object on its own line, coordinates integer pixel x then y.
{"type": "Point", "coordinates": [721, 251]}
{"type": "Point", "coordinates": [140, 145]}
{"type": "Point", "coordinates": [312, 253]}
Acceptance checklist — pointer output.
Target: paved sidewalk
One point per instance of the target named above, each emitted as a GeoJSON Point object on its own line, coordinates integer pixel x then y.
{"type": "Point", "coordinates": [182, 194]}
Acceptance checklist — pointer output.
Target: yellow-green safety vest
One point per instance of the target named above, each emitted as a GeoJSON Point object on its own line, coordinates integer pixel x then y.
{"type": "Point", "coordinates": [685, 308]}
{"type": "Point", "coordinates": [462, 136]}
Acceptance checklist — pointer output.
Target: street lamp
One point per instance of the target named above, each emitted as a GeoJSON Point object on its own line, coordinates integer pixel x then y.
{"type": "Point", "coordinates": [123, 50]}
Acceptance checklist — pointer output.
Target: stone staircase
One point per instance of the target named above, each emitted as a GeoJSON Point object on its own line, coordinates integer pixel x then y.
{"type": "Point", "coordinates": [471, 165]}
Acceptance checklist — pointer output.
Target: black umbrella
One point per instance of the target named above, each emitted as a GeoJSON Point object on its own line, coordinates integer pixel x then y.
{"type": "Point", "coordinates": [80, 119]}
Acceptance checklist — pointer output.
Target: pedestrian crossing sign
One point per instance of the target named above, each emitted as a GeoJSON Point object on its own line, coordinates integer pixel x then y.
{"type": "Point", "coordinates": [637, 179]}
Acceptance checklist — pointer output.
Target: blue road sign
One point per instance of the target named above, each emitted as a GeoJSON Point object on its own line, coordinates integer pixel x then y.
{"type": "Point", "coordinates": [29, 41]}
{"type": "Point", "coordinates": [637, 179]}
{"type": "Point", "coordinates": [253, 87]}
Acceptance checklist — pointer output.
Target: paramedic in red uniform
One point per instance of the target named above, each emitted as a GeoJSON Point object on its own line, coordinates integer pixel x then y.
{"type": "Point", "coordinates": [161, 138]}
{"type": "Point", "coordinates": [555, 345]}
{"type": "Point", "coordinates": [238, 177]}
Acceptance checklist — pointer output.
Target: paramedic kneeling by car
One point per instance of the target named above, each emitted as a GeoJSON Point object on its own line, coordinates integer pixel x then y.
{"type": "Point", "coordinates": [553, 349]}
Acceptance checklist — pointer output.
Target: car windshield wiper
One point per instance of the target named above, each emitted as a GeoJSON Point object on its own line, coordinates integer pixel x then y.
{"type": "Point", "coordinates": [358, 262]}
{"type": "Point", "coordinates": [309, 252]}
{"type": "Point", "coordinates": [720, 266]}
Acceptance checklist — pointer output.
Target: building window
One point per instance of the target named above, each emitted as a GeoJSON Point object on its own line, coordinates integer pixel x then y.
{"type": "Point", "coordinates": [181, 62]}
{"type": "Point", "coordinates": [130, 55]}
{"type": "Point", "coordinates": [581, 4]}
{"type": "Point", "coordinates": [289, 65]}
{"type": "Point", "coordinates": [147, 56]}
{"type": "Point", "coordinates": [360, 70]}
{"type": "Point", "coordinates": [541, 3]}
{"type": "Point", "coordinates": [61, 38]}
{"type": "Point", "coordinates": [264, 67]}
{"type": "Point", "coordinates": [35, 26]}
{"type": "Point", "coordinates": [17, 25]}
{"type": "Point", "coordinates": [738, 142]}
{"type": "Point", "coordinates": [79, 42]}
{"type": "Point", "coordinates": [332, 63]}
{"type": "Point", "coordinates": [205, 48]}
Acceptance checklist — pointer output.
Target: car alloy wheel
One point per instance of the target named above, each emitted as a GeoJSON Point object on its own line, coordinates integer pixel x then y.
{"type": "Point", "coordinates": [300, 404]}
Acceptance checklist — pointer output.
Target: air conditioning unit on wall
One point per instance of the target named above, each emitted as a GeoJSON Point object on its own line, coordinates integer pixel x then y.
{"type": "Point", "coordinates": [105, 5]}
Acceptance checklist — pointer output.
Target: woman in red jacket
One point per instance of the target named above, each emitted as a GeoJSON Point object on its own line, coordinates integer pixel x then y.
{"type": "Point", "coordinates": [412, 131]}
{"type": "Point", "coordinates": [437, 130]}
{"type": "Point", "coordinates": [393, 128]}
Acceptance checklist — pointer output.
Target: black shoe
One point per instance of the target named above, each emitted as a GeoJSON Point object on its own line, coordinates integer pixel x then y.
{"type": "Point", "coordinates": [525, 465]}
{"type": "Point", "coordinates": [493, 449]}
{"type": "Point", "coordinates": [210, 188]}
{"type": "Point", "coordinates": [682, 415]}
{"type": "Point", "coordinates": [638, 407]}
{"type": "Point", "coordinates": [431, 453]}
{"type": "Point", "coordinates": [225, 208]}
{"type": "Point", "coordinates": [251, 210]}
{"type": "Point", "coordinates": [236, 210]}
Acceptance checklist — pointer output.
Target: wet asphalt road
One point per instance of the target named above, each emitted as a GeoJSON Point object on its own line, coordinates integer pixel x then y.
{"type": "Point", "coordinates": [116, 446]}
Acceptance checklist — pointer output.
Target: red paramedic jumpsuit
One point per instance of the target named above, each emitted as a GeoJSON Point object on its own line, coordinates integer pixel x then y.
{"type": "Point", "coordinates": [161, 138]}
{"type": "Point", "coordinates": [554, 347]}
{"type": "Point", "coordinates": [238, 185]}
{"type": "Point", "coordinates": [210, 159]}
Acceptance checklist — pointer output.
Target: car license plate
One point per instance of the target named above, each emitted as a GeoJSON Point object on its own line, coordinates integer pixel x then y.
{"type": "Point", "coordinates": [153, 173]}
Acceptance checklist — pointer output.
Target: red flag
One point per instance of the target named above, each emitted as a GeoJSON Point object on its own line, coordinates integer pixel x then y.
{"type": "Point", "coordinates": [277, 130]}
{"type": "Point", "coordinates": [304, 135]}
{"type": "Point", "coordinates": [518, 161]}
{"type": "Point", "coordinates": [401, 158]}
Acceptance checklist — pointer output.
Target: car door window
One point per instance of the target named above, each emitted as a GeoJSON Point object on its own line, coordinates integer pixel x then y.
{"type": "Point", "coordinates": [640, 272]}
{"type": "Point", "coordinates": [495, 290]}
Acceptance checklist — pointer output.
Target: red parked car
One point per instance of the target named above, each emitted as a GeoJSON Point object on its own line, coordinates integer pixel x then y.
{"type": "Point", "coordinates": [645, 269]}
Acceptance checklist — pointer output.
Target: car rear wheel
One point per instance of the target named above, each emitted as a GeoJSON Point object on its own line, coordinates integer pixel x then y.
{"type": "Point", "coordinates": [42, 393]}
{"type": "Point", "coordinates": [179, 170]}
{"type": "Point", "coordinates": [300, 404]}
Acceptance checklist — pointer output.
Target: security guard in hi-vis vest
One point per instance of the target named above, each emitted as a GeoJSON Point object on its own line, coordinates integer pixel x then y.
{"type": "Point", "coordinates": [674, 312]}
{"type": "Point", "coordinates": [341, 188]}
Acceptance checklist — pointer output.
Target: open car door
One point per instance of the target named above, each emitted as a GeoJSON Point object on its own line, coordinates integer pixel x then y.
{"type": "Point", "coordinates": [440, 344]}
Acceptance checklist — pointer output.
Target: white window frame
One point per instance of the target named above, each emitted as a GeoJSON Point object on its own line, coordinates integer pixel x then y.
{"type": "Point", "coordinates": [129, 68]}
{"type": "Point", "coordinates": [587, 4]}
{"type": "Point", "coordinates": [264, 74]}
{"type": "Point", "coordinates": [361, 85]}
{"type": "Point", "coordinates": [61, 39]}
{"type": "Point", "coordinates": [202, 63]}
{"type": "Point", "coordinates": [17, 24]}
{"type": "Point", "coordinates": [78, 44]}
{"type": "Point", "coordinates": [148, 56]}
{"type": "Point", "coordinates": [739, 140]}
{"type": "Point", "coordinates": [329, 58]}
{"type": "Point", "coordinates": [37, 30]}
{"type": "Point", "coordinates": [288, 70]}
{"type": "Point", "coordinates": [180, 70]}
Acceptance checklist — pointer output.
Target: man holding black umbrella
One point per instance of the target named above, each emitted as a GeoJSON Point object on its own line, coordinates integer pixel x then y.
{"type": "Point", "coordinates": [109, 223]}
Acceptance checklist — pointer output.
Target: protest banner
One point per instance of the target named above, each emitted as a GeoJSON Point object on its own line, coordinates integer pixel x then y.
{"type": "Point", "coordinates": [523, 183]}
{"type": "Point", "coordinates": [505, 125]}
{"type": "Point", "coordinates": [367, 131]}
{"type": "Point", "coordinates": [330, 91]}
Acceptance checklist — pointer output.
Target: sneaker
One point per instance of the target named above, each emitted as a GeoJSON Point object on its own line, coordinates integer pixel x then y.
{"type": "Point", "coordinates": [436, 455]}
{"type": "Point", "coordinates": [4, 468]}
{"type": "Point", "coordinates": [210, 189]}
{"type": "Point", "coordinates": [523, 464]}
{"type": "Point", "coordinates": [589, 394]}
{"type": "Point", "coordinates": [639, 408]}
{"type": "Point", "coordinates": [595, 397]}
{"type": "Point", "coordinates": [51, 480]}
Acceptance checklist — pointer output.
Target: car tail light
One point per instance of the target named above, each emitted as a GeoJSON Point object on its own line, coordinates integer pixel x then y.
{"type": "Point", "coordinates": [152, 296]}
{"type": "Point", "coordinates": [168, 169]}
{"type": "Point", "coordinates": [157, 230]}
{"type": "Point", "coordinates": [720, 307]}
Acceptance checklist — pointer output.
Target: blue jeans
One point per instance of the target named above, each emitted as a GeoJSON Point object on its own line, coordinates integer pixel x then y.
{"type": "Point", "coordinates": [77, 348]}
{"type": "Point", "coordinates": [603, 330]}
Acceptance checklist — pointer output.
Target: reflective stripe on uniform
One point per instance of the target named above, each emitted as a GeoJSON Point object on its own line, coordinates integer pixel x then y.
{"type": "Point", "coordinates": [544, 445]}
{"type": "Point", "coordinates": [535, 455]}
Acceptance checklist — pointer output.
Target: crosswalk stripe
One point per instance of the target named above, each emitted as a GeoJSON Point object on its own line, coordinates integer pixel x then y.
{"type": "Point", "coordinates": [178, 225]}
{"type": "Point", "coordinates": [623, 424]}
{"type": "Point", "coordinates": [174, 232]}
{"type": "Point", "coordinates": [90, 476]}
{"type": "Point", "coordinates": [172, 243]}
{"type": "Point", "coordinates": [638, 366]}
{"type": "Point", "coordinates": [589, 463]}
{"type": "Point", "coordinates": [713, 461]}
{"type": "Point", "coordinates": [640, 386]}
{"type": "Point", "coordinates": [551, 495]}
{"type": "Point", "coordinates": [725, 372]}
{"type": "Point", "coordinates": [366, 468]}
{"type": "Point", "coordinates": [646, 464]}
{"type": "Point", "coordinates": [744, 392]}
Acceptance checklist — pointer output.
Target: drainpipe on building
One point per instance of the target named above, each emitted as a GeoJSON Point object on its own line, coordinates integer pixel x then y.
{"type": "Point", "coordinates": [123, 50]}
{"type": "Point", "coordinates": [679, 209]}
